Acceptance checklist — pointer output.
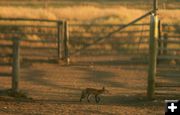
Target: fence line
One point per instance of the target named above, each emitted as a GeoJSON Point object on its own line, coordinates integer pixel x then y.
{"type": "Point", "coordinates": [58, 45]}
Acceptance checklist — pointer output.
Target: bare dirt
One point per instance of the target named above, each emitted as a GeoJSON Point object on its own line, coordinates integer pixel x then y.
{"type": "Point", "coordinates": [56, 89]}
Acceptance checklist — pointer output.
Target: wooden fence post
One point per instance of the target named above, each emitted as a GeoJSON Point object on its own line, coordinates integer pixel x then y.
{"type": "Point", "coordinates": [160, 40]}
{"type": "Point", "coordinates": [152, 56]}
{"type": "Point", "coordinates": [165, 41]}
{"type": "Point", "coordinates": [66, 42]}
{"type": "Point", "coordinates": [16, 65]}
{"type": "Point", "coordinates": [59, 37]}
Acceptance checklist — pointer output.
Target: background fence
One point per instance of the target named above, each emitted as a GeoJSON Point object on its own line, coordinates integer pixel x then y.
{"type": "Point", "coordinates": [10, 61]}
{"type": "Point", "coordinates": [40, 39]}
{"type": "Point", "coordinates": [96, 39]}
{"type": "Point", "coordinates": [47, 40]}
{"type": "Point", "coordinates": [34, 40]}
{"type": "Point", "coordinates": [133, 42]}
{"type": "Point", "coordinates": [6, 58]}
{"type": "Point", "coordinates": [168, 68]}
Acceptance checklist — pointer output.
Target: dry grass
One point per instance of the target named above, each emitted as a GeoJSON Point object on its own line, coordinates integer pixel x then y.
{"type": "Point", "coordinates": [137, 4]}
{"type": "Point", "coordinates": [86, 13]}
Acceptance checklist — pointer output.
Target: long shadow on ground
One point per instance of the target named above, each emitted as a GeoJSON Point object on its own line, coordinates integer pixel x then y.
{"type": "Point", "coordinates": [101, 77]}
{"type": "Point", "coordinates": [36, 77]}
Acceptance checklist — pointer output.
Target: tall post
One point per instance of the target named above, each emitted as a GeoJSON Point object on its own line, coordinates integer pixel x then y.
{"type": "Point", "coordinates": [16, 65]}
{"type": "Point", "coordinates": [66, 42]}
{"type": "Point", "coordinates": [152, 56]}
{"type": "Point", "coordinates": [155, 6]}
{"type": "Point", "coordinates": [59, 37]}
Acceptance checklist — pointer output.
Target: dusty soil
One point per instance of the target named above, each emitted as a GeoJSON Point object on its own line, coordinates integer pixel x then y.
{"type": "Point", "coordinates": [56, 89]}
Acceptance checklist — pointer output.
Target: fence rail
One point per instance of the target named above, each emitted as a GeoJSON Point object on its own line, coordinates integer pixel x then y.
{"type": "Point", "coordinates": [29, 19]}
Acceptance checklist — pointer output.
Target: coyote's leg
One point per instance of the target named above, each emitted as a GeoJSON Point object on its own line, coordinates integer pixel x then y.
{"type": "Point", "coordinates": [88, 96]}
{"type": "Point", "coordinates": [97, 98]}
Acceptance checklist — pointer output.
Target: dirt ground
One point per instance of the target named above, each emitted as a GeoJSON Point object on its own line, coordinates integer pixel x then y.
{"type": "Point", "coordinates": [56, 89]}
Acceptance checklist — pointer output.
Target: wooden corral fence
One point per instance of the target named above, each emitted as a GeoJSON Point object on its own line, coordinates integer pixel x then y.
{"type": "Point", "coordinates": [168, 59]}
{"type": "Point", "coordinates": [164, 55]}
{"type": "Point", "coordinates": [38, 39]}
{"type": "Point", "coordinates": [94, 39]}
{"type": "Point", "coordinates": [10, 61]}
{"type": "Point", "coordinates": [134, 41]}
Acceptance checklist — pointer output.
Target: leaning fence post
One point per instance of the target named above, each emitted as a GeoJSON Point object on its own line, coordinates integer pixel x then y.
{"type": "Point", "coordinates": [16, 65]}
{"type": "Point", "coordinates": [66, 42]}
{"type": "Point", "coordinates": [152, 56]}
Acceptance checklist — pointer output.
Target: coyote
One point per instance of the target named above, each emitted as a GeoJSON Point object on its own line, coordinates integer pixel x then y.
{"type": "Point", "coordinates": [91, 91]}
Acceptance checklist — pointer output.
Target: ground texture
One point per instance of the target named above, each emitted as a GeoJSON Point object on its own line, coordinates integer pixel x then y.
{"type": "Point", "coordinates": [56, 89]}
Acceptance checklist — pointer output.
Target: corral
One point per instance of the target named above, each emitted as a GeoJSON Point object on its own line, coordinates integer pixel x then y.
{"type": "Point", "coordinates": [99, 56]}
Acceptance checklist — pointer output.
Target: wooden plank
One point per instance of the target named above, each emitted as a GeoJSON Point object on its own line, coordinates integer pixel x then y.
{"type": "Point", "coordinates": [99, 51]}
{"type": "Point", "coordinates": [167, 85]}
{"type": "Point", "coordinates": [111, 42]}
{"type": "Point", "coordinates": [49, 41]}
{"type": "Point", "coordinates": [5, 64]}
{"type": "Point", "coordinates": [170, 41]}
{"type": "Point", "coordinates": [5, 38]}
{"type": "Point", "coordinates": [165, 24]}
{"type": "Point", "coordinates": [165, 65]}
{"type": "Point", "coordinates": [5, 55]}
{"type": "Point", "coordinates": [123, 49]}
{"type": "Point", "coordinates": [29, 33]}
{"type": "Point", "coordinates": [169, 49]}
{"type": "Point", "coordinates": [173, 36]}
{"type": "Point", "coordinates": [34, 51]}
{"type": "Point", "coordinates": [40, 54]}
{"type": "Point", "coordinates": [169, 74]}
{"type": "Point", "coordinates": [108, 25]}
{"type": "Point", "coordinates": [28, 19]}
{"type": "Point", "coordinates": [72, 37]}
{"type": "Point", "coordinates": [128, 31]}
{"type": "Point", "coordinates": [39, 48]}
{"type": "Point", "coordinates": [28, 26]}
{"type": "Point", "coordinates": [40, 60]}
{"type": "Point", "coordinates": [125, 33]}
{"type": "Point", "coordinates": [5, 74]}
{"type": "Point", "coordinates": [172, 31]}
{"type": "Point", "coordinates": [168, 57]}
{"type": "Point", "coordinates": [5, 46]}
